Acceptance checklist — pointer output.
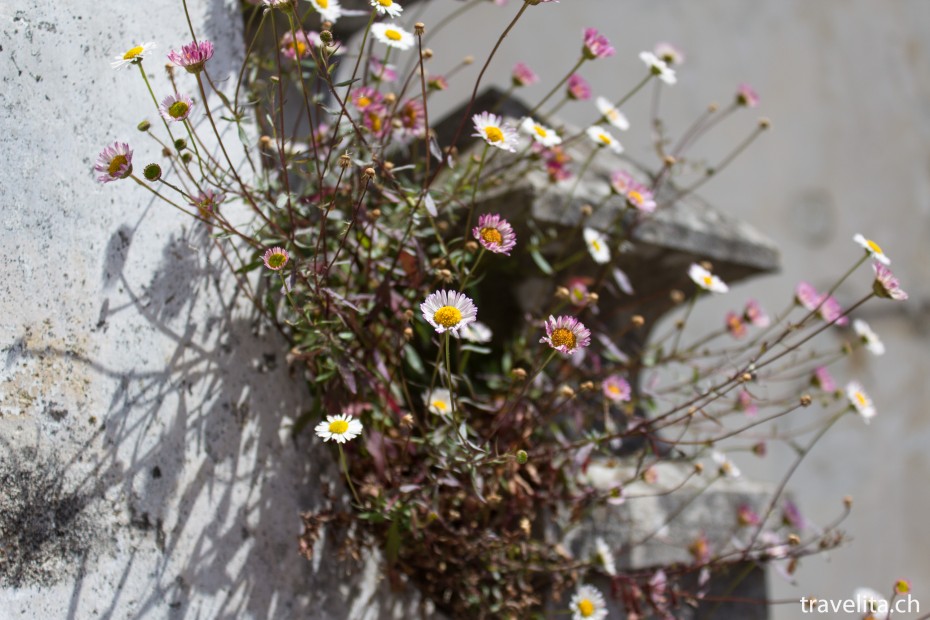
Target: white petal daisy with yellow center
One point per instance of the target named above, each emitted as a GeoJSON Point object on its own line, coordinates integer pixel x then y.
{"type": "Point", "coordinates": [873, 344]}
{"type": "Point", "coordinates": [597, 245]}
{"type": "Point", "coordinates": [706, 280]}
{"type": "Point", "coordinates": [133, 55]}
{"type": "Point", "coordinates": [448, 311]}
{"type": "Point", "coordinates": [393, 35]}
{"type": "Point", "coordinates": [387, 7]}
{"type": "Point", "coordinates": [588, 604]}
{"type": "Point", "coordinates": [340, 428]}
{"type": "Point", "coordinates": [873, 249]}
{"type": "Point", "coordinates": [439, 401]}
{"type": "Point", "coordinates": [492, 129]}
{"type": "Point", "coordinates": [329, 10]}
{"type": "Point", "coordinates": [860, 401]}
{"type": "Point", "coordinates": [540, 133]}
{"type": "Point", "coordinates": [614, 116]}
{"type": "Point", "coordinates": [603, 139]}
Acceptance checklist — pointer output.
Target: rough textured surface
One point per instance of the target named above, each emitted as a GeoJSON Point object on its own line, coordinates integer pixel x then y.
{"type": "Point", "coordinates": [146, 461]}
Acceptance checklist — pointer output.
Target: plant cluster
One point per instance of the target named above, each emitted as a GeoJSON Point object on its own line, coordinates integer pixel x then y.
{"type": "Point", "coordinates": [467, 444]}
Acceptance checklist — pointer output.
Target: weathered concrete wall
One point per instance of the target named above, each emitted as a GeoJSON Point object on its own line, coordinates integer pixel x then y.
{"type": "Point", "coordinates": [847, 85]}
{"type": "Point", "coordinates": [146, 464]}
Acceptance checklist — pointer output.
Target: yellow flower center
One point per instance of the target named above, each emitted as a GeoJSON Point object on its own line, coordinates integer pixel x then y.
{"type": "Point", "coordinates": [494, 134]}
{"type": "Point", "coordinates": [363, 101]}
{"type": "Point", "coordinates": [596, 245]}
{"type": "Point", "coordinates": [586, 607]}
{"type": "Point", "coordinates": [492, 236]}
{"type": "Point", "coordinates": [338, 427]}
{"type": "Point", "coordinates": [861, 399]}
{"type": "Point", "coordinates": [874, 246]}
{"type": "Point", "coordinates": [613, 389]}
{"type": "Point", "coordinates": [276, 260]}
{"type": "Point", "coordinates": [178, 109]}
{"type": "Point", "coordinates": [133, 53]}
{"type": "Point", "coordinates": [448, 316]}
{"type": "Point", "coordinates": [540, 131]}
{"type": "Point", "coordinates": [439, 404]}
{"type": "Point", "coordinates": [563, 337]}
{"type": "Point", "coordinates": [604, 138]}
{"type": "Point", "coordinates": [635, 197]}
{"type": "Point", "coordinates": [392, 34]}
{"type": "Point", "coordinates": [708, 281]}
{"type": "Point", "coordinates": [386, 3]}
{"type": "Point", "coordinates": [324, 4]}
{"type": "Point", "coordinates": [300, 47]}
{"type": "Point", "coordinates": [375, 122]}
{"type": "Point", "coordinates": [116, 163]}
{"type": "Point", "coordinates": [612, 115]}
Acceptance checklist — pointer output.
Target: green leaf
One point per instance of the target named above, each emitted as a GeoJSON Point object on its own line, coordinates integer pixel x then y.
{"type": "Point", "coordinates": [541, 262]}
{"type": "Point", "coordinates": [413, 359]}
{"type": "Point", "coordinates": [392, 546]}
{"type": "Point", "coordinates": [250, 266]}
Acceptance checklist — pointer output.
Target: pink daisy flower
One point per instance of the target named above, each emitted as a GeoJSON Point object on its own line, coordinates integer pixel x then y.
{"type": "Point", "coordinates": [640, 198]}
{"type": "Point", "coordinates": [735, 325]}
{"type": "Point", "coordinates": [296, 47]}
{"type": "Point", "coordinates": [746, 96]}
{"type": "Point", "coordinates": [114, 162]}
{"type": "Point", "coordinates": [495, 234]}
{"type": "Point", "coordinates": [621, 181]}
{"type": "Point", "coordinates": [207, 201]}
{"type": "Point", "coordinates": [886, 284]}
{"type": "Point", "coordinates": [523, 75]}
{"type": "Point", "coordinates": [745, 403]}
{"type": "Point", "coordinates": [806, 296]}
{"type": "Point", "coordinates": [596, 45]}
{"type": "Point", "coordinates": [566, 334]}
{"type": "Point", "coordinates": [831, 311]}
{"type": "Point", "coordinates": [275, 258]}
{"type": "Point", "coordinates": [754, 314]}
{"type": "Point", "coordinates": [382, 72]}
{"type": "Point", "coordinates": [176, 108]}
{"type": "Point", "coordinates": [192, 56]}
{"type": "Point", "coordinates": [578, 88]}
{"type": "Point", "coordinates": [364, 97]}
{"type": "Point", "coordinates": [823, 379]}
{"type": "Point", "coordinates": [412, 117]}
{"type": "Point", "coordinates": [616, 389]}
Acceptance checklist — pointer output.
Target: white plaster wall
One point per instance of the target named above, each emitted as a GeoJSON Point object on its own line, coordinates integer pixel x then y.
{"type": "Point", "coordinates": [133, 384]}
{"type": "Point", "coordinates": [847, 86]}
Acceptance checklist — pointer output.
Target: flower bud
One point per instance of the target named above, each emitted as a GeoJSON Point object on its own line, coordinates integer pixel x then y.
{"type": "Point", "coordinates": [370, 173]}
{"type": "Point", "coordinates": [427, 54]}
{"type": "Point", "coordinates": [699, 468]}
{"type": "Point", "coordinates": [848, 502]}
{"type": "Point", "coordinates": [561, 292]}
{"type": "Point", "coordinates": [806, 400]}
{"type": "Point", "coordinates": [794, 540]}
{"type": "Point", "coordinates": [390, 98]}
{"type": "Point", "coordinates": [587, 386]}
{"type": "Point", "coordinates": [144, 126]}
{"type": "Point", "coordinates": [637, 320]}
{"type": "Point", "coordinates": [676, 296]}
{"type": "Point", "coordinates": [374, 214]}
{"type": "Point", "coordinates": [408, 315]}
{"type": "Point", "coordinates": [586, 210]}
{"type": "Point", "coordinates": [419, 28]}
{"type": "Point", "coordinates": [408, 334]}
{"type": "Point", "coordinates": [518, 374]}
{"type": "Point", "coordinates": [468, 60]}
{"type": "Point", "coordinates": [186, 157]}
{"type": "Point", "coordinates": [180, 144]}
{"type": "Point", "coordinates": [326, 36]}
{"type": "Point", "coordinates": [265, 142]}
{"type": "Point", "coordinates": [345, 160]}
{"type": "Point", "coordinates": [471, 246]}
{"type": "Point", "coordinates": [407, 421]}
{"type": "Point", "coordinates": [522, 457]}
{"type": "Point", "coordinates": [566, 391]}
{"type": "Point", "coordinates": [152, 172]}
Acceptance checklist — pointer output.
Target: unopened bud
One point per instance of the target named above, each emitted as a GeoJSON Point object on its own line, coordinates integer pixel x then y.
{"type": "Point", "coordinates": [374, 214]}
{"type": "Point", "coordinates": [444, 274]}
{"type": "Point", "coordinates": [390, 98]}
{"type": "Point", "coordinates": [419, 28]}
{"type": "Point", "coordinates": [427, 54]}
{"type": "Point", "coordinates": [407, 421]}
{"type": "Point", "coordinates": [152, 172]}
{"type": "Point", "coordinates": [345, 160]}
{"type": "Point", "coordinates": [706, 264]}
{"type": "Point", "coordinates": [669, 160]}
{"type": "Point", "coordinates": [566, 391]}
{"type": "Point", "coordinates": [397, 124]}
{"type": "Point", "coordinates": [325, 35]}
{"type": "Point", "coordinates": [180, 144]}
{"type": "Point", "coordinates": [442, 226]}
{"type": "Point", "coordinates": [265, 142]}
{"type": "Point", "coordinates": [699, 468]}
{"type": "Point", "coordinates": [764, 123]}
{"type": "Point", "coordinates": [759, 449]}
{"type": "Point", "coordinates": [676, 296]}
{"type": "Point", "coordinates": [522, 457]}
{"type": "Point", "coordinates": [806, 400]}
{"type": "Point", "coordinates": [794, 540]}
{"type": "Point", "coordinates": [408, 315]}
{"type": "Point", "coordinates": [408, 334]}
{"type": "Point", "coordinates": [144, 126]}
{"type": "Point", "coordinates": [370, 173]}
{"type": "Point", "coordinates": [637, 320]}
{"type": "Point", "coordinates": [471, 246]}
{"type": "Point", "coordinates": [848, 502]}
{"type": "Point", "coordinates": [561, 292]}
{"type": "Point", "coordinates": [187, 157]}
{"type": "Point", "coordinates": [594, 297]}
{"type": "Point", "coordinates": [712, 107]}
{"type": "Point", "coordinates": [587, 386]}
{"type": "Point", "coordinates": [518, 373]}
{"type": "Point", "coordinates": [745, 377]}
{"type": "Point", "coordinates": [586, 210]}
{"type": "Point", "coordinates": [468, 60]}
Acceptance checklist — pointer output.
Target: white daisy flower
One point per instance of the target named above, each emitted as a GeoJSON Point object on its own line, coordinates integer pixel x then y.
{"type": "Point", "coordinates": [340, 428]}
{"type": "Point", "coordinates": [670, 54]}
{"type": "Point", "coordinates": [724, 465]}
{"type": "Point", "coordinates": [605, 556]}
{"type": "Point", "coordinates": [658, 67]}
{"type": "Point", "coordinates": [387, 7]}
{"type": "Point", "coordinates": [439, 401]}
{"type": "Point", "coordinates": [872, 248]}
{"type": "Point", "coordinates": [869, 338]}
{"type": "Point", "coordinates": [393, 35]}
{"type": "Point", "coordinates": [871, 602]}
{"type": "Point", "coordinates": [329, 10]}
{"type": "Point", "coordinates": [588, 604]}
{"type": "Point", "coordinates": [493, 130]}
{"type": "Point", "coordinates": [448, 311]}
{"type": "Point", "coordinates": [540, 133]}
{"type": "Point", "coordinates": [706, 280]}
{"type": "Point", "coordinates": [133, 55]}
{"type": "Point", "coordinates": [860, 401]}
{"type": "Point", "coordinates": [614, 116]}
{"type": "Point", "coordinates": [597, 245]}
{"type": "Point", "coordinates": [602, 138]}
{"type": "Point", "coordinates": [475, 331]}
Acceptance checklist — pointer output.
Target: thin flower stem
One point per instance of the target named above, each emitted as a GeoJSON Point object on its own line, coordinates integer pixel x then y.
{"type": "Point", "coordinates": [154, 100]}
{"type": "Point", "coordinates": [712, 172]}
{"type": "Point", "coordinates": [345, 469]}
{"type": "Point", "coordinates": [556, 88]}
{"type": "Point", "coordinates": [676, 513]}
{"type": "Point", "coordinates": [474, 192]}
{"type": "Point", "coordinates": [581, 171]}
{"type": "Point", "coordinates": [680, 328]}
{"type": "Point", "coordinates": [474, 267]}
